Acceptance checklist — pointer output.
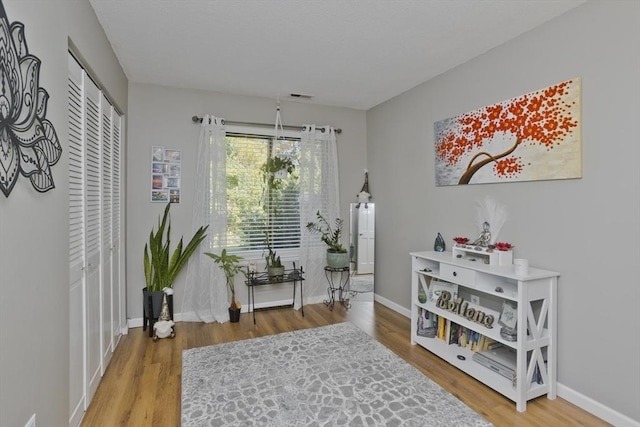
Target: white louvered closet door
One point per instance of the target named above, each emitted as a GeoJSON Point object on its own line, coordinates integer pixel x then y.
{"type": "Point", "coordinates": [92, 202]}
{"type": "Point", "coordinates": [106, 247]}
{"type": "Point", "coordinates": [77, 342]}
{"type": "Point", "coordinates": [117, 272]}
{"type": "Point", "coordinates": [95, 255]}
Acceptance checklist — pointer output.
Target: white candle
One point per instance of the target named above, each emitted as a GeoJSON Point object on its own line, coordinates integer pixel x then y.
{"type": "Point", "coordinates": [521, 266]}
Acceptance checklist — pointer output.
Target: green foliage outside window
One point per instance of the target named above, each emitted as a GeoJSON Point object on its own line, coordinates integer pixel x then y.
{"type": "Point", "coordinates": [256, 203]}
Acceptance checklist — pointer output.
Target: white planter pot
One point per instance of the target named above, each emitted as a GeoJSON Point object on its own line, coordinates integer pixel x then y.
{"type": "Point", "coordinates": [337, 259]}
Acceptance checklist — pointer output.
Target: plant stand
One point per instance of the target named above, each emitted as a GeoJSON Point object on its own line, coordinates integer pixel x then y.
{"type": "Point", "coordinates": [339, 281]}
{"type": "Point", "coordinates": [254, 279]}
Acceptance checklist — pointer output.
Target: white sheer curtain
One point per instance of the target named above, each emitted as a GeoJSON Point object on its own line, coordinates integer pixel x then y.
{"type": "Point", "coordinates": [319, 191]}
{"type": "Point", "coordinates": [206, 297]}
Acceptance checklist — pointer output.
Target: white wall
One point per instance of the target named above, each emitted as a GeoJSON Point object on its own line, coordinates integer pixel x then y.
{"type": "Point", "coordinates": [34, 265]}
{"type": "Point", "coordinates": [587, 229]}
{"type": "Point", "coordinates": [162, 116]}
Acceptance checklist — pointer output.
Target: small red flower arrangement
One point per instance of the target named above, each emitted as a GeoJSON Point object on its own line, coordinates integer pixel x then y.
{"type": "Point", "coordinates": [503, 246]}
{"type": "Point", "coordinates": [461, 240]}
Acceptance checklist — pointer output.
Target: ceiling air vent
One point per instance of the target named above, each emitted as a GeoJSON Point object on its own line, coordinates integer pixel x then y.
{"type": "Point", "coordinates": [300, 96]}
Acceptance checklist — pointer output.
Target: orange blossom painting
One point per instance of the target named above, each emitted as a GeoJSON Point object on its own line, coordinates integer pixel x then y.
{"type": "Point", "coordinates": [532, 137]}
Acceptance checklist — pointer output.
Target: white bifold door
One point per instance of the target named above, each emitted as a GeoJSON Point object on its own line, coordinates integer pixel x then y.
{"type": "Point", "coordinates": [95, 256]}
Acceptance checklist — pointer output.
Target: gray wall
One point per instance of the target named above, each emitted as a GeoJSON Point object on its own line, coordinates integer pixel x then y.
{"type": "Point", "coordinates": [575, 227]}
{"type": "Point", "coordinates": [586, 229]}
{"type": "Point", "coordinates": [162, 116]}
{"type": "Point", "coordinates": [34, 262]}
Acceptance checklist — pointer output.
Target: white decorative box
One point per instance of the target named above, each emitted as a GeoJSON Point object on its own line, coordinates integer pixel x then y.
{"type": "Point", "coordinates": [483, 255]}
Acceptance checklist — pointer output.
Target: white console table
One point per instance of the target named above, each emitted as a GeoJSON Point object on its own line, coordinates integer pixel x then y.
{"type": "Point", "coordinates": [483, 288]}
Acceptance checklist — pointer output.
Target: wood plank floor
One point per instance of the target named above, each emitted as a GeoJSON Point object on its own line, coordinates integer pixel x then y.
{"type": "Point", "coordinates": [141, 386]}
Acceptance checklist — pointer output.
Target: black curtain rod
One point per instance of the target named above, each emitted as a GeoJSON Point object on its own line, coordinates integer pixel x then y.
{"type": "Point", "coordinates": [197, 119]}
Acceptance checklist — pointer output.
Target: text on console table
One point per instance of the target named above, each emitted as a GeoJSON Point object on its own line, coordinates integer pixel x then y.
{"type": "Point", "coordinates": [462, 308]}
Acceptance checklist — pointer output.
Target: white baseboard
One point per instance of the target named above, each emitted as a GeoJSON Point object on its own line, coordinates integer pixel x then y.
{"type": "Point", "coordinates": [392, 305]}
{"type": "Point", "coordinates": [76, 416]}
{"type": "Point", "coordinates": [136, 322]}
{"type": "Point", "coordinates": [596, 408]}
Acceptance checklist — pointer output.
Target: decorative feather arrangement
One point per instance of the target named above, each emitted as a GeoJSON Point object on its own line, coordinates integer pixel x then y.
{"type": "Point", "coordinates": [492, 212]}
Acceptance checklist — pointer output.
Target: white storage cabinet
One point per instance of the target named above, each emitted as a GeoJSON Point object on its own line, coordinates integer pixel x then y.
{"type": "Point", "coordinates": [488, 286]}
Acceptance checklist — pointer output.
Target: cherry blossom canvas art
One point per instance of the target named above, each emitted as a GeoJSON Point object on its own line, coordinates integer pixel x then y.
{"type": "Point", "coordinates": [533, 137]}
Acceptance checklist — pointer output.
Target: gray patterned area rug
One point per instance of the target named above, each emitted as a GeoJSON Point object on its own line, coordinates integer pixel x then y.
{"type": "Point", "coordinates": [333, 375]}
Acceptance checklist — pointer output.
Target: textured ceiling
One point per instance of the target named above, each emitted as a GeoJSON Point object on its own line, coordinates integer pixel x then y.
{"type": "Point", "coordinates": [353, 54]}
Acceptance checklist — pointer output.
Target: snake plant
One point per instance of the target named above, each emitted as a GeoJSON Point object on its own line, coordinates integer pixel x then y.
{"type": "Point", "coordinates": [160, 265]}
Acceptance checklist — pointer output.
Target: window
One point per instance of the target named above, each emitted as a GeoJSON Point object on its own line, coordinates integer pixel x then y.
{"type": "Point", "coordinates": [262, 205]}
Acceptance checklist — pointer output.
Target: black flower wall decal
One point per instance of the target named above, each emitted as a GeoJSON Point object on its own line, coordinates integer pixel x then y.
{"type": "Point", "coordinates": [29, 145]}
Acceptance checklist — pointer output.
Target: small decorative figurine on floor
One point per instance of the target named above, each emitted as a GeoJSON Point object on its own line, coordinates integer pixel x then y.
{"type": "Point", "coordinates": [163, 328]}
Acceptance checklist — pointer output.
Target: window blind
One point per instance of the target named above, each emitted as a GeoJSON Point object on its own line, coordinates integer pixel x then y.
{"type": "Point", "coordinates": [261, 210]}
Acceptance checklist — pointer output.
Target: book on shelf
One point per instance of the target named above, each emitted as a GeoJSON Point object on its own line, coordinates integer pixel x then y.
{"type": "Point", "coordinates": [431, 325]}
{"type": "Point", "coordinates": [469, 339]}
{"type": "Point", "coordinates": [433, 320]}
{"type": "Point", "coordinates": [442, 327]}
{"type": "Point", "coordinates": [426, 323]}
{"type": "Point", "coordinates": [422, 323]}
{"type": "Point", "coordinates": [452, 335]}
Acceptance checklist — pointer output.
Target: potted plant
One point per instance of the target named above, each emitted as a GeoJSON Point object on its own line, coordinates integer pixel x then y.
{"type": "Point", "coordinates": [271, 169]}
{"type": "Point", "coordinates": [275, 269]}
{"type": "Point", "coordinates": [161, 266]}
{"type": "Point", "coordinates": [337, 255]}
{"type": "Point", "coordinates": [230, 264]}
